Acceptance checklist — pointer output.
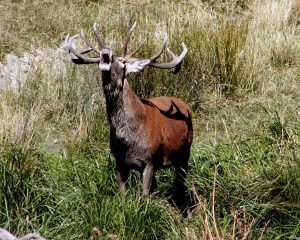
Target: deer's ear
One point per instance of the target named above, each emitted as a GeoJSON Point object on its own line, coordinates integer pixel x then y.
{"type": "Point", "coordinates": [137, 65]}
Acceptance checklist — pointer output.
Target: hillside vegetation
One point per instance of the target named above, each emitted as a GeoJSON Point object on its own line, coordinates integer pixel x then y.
{"type": "Point", "coordinates": [241, 78]}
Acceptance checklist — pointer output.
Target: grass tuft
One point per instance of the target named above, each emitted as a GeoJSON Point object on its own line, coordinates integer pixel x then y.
{"type": "Point", "coordinates": [241, 78]}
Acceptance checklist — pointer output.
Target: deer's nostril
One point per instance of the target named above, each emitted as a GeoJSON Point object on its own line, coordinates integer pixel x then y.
{"type": "Point", "coordinates": [105, 51]}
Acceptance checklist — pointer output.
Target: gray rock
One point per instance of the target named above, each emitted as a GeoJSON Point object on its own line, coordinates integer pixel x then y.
{"type": "Point", "coordinates": [5, 235]}
{"type": "Point", "coordinates": [15, 70]}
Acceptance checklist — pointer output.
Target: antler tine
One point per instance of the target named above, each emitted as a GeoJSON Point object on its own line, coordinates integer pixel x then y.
{"type": "Point", "coordinates": [126, 40]}
{"type": "Point", "coordinates": [87, 50]}
{"type": "Point", "coordinates": [79, 58]}
{"type": "Point", "coordinates": [98, 36]}
{"type": "Point", "coordinates": [83, 36]}
{"type": "Point", "coordinates": [171, 53]}
{"type": "Point", "coordinates": [175, 61]}
{"type": "Point", "coordinates": [161, 50]}
{"type": "Point", "coordinates": [137, 49]}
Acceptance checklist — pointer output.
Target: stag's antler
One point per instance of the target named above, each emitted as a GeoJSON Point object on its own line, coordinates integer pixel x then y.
{"type": "Point", "coordinates": [137, 49]}
{"type": "Point", "coordinates": [78, 57]}
{"type": "Point", "coordinates": [126, 40]}
{"type": "Point", "coordinates": [87, 41]}
{"type": "Point", "coordinates": [176, 60]}
{"type": "Point", "coordinates": [99, 37]}
{"type": "Point", "coordinates": [138, 64]}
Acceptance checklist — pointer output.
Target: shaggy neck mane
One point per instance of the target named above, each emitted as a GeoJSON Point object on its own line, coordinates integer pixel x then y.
{"type": "Point", "coordinates": [122, 105]}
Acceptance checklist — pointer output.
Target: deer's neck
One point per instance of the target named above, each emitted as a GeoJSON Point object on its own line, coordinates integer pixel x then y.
{"type": "Point", "coordinates": [124, 109]}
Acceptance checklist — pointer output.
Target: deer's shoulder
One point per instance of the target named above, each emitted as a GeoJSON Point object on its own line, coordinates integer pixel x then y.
{"type": "Point", "coordinates": [169, 106]}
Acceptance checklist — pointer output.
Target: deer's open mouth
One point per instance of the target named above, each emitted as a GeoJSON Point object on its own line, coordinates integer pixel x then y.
{"type": "Point", "coordinates": [105, 62]}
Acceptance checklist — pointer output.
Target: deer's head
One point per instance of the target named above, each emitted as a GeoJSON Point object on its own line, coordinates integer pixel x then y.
{"type": "Point", "coordinates": [119, 66]}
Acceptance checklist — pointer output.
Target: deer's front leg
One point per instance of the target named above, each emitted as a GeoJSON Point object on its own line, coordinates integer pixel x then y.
{"type": "Point", "coordinates": [148, 174]}
{"type": "Point", "coordinates": [122, 172]}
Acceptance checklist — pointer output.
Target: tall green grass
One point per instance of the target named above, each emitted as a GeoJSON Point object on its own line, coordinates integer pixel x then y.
{"type": "Point", "coordinates": [241, 77]}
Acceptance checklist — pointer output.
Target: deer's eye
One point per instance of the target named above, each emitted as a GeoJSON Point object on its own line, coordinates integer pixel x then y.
{"type": "Point", "coordinates": [121, 60]}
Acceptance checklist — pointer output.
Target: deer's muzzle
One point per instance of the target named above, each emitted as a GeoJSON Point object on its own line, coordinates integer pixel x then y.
{"type": "Point", "coordinates": [106, 59]}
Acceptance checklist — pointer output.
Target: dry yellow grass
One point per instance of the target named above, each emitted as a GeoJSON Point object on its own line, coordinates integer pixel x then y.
{"type": "Point", "coordinates": [241, 77]}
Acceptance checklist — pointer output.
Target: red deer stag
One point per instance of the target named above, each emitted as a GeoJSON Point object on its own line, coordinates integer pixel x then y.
{"type": "Point", "coordinates": [145, 134]}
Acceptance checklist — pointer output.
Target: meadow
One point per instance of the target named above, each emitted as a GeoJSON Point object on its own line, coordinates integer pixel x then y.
{"type": "Point", "coordinates": [241, 78]}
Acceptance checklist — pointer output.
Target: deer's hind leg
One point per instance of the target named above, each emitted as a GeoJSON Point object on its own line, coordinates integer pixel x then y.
{"type": "Point", "coordinates": [180, 176]}
{"type": "Point", "coordinates": [181, 170]}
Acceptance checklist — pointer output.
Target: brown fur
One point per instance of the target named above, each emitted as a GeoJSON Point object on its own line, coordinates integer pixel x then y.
{"type": "Point", "coordinates": [146, 134]}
